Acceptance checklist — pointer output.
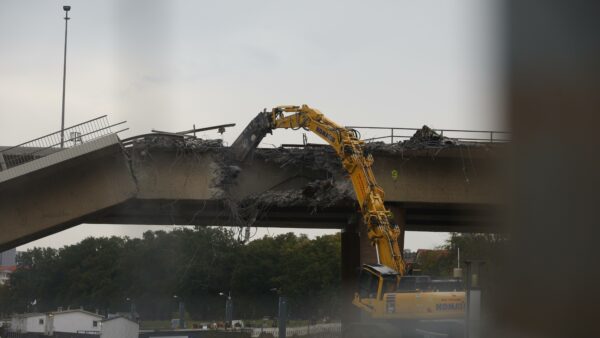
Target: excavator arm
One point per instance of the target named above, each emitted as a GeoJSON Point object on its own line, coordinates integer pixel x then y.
{"type": "Point", "coordinates": [383, 234]}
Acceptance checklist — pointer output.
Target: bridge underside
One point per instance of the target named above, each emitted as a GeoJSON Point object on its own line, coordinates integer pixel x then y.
{"type": "Point", "coordinates": [433, 217]}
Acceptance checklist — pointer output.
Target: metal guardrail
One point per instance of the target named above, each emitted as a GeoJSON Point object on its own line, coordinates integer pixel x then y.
{"type": "Point", "coordinates": [331, 330]}
{"type": "Point", "coordinates": [48, 144]}
{"type": "Point", "coordinates": [396, 134]}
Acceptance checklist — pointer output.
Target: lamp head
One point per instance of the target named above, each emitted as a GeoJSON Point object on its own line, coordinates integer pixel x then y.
{"type": "Point", "coordinates": [67, 8]}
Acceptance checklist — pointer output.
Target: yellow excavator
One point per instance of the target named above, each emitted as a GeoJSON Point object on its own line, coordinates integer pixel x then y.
{"type": "Point", "coordinates": [385, 293]}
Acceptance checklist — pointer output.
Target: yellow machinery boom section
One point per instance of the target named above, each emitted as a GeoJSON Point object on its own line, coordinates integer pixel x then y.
{"type": "Point", "coordinates": [382, 234]}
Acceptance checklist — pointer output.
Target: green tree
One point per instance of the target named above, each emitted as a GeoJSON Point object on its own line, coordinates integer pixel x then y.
{"type": "Point", "coordinates": [34, 284]}
{"type": "Point", "coordinates": [89, 273]}
{"type": "Point", "coordinates": [306, 271]}
{"type": "Point", "coordinates": [109, 274]}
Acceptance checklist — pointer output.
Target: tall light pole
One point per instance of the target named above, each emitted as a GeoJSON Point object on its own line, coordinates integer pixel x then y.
{"type": "Point", "coordinates": [181, 312]}
{"type": "Point", "coordinates": [131, 308]}
{"type": "Point", "coordinates": [228, 308]}
{"type": "Point", "coordinates": [281, 313]}
{"type": "Point", "coordinates": [62, 123]}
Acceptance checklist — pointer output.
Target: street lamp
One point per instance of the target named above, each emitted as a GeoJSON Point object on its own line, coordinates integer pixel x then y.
{"type": "Point", "coordinates": [228, 308]}
{"type": "Point", "coordinates": [62, 122]}
{"type": "Point", "coordinates": [281, 313]}
{"type": "Point", "coordinates": [131, 308]}
{"type": "Point", "coordinates": [181, 312]}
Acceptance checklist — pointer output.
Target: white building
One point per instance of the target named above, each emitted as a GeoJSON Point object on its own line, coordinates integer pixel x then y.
{"type": "Point", "coordinates": [30, 322]}
{"type": "Point", "coordinates": [119, 327]}
{"type": "Point", "coordinates": [75, 321]}
{"type": "Point", "coordinates": [69, 321]}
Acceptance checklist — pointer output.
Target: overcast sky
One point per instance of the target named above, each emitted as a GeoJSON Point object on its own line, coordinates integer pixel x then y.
{"type": "Point", "coordinates": [170, 64]}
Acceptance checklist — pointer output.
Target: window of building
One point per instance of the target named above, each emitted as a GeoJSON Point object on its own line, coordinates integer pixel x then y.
{"type": "Point", "coordinates": [95, 323]}
{"type": "Point", "coordinates": [41, 321]}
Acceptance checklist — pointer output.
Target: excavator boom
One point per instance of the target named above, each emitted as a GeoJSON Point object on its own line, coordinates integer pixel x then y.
{"type": "Point", "coordinates": [384, 291]}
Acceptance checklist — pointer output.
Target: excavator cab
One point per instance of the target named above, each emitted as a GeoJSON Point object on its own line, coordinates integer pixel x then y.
{"type": "Point", "coordinates": [384, 294]}
{"type": "Point", "coordinates": [375, 280]}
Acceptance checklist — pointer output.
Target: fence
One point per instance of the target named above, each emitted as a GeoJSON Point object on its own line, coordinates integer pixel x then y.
{"type": "Point", "coordinates": [332, 330]}
{"type": "Point", "coordinates": [195, 334]}
{"type": "Point", "coordinates": [396, 134]}
{"type": "Point", "coordinates": [48, 144]}
{"type": "Point", "coordinates": [21, 335]}
{"type": "Point", "coordinates": [41, 335]}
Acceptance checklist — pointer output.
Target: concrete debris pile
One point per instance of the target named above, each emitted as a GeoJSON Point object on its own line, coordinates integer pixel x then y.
{"type": "Point", "coordinates": [180, 143]}
{"type": "Point", "coordinates": [202, 144]}
{"type": "Point", "coordinates": [427, 138]}
{"type": "Point", "coordinates": [315, 195]}
{"type": "Point", "coordinates": [308, 158]}
{"type": "Point", "coordinates": [329, 192]}
{"type": "Point", "coordinates": [423, 139]}
{"type": "Point", "coordinates": [326, 185]}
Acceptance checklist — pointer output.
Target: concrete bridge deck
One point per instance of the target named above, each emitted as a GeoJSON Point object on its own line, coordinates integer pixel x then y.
{"type": "Point", "coordinates": [162, 180]}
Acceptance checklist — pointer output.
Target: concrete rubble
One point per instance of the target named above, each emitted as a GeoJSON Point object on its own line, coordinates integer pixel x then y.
{"type": "Point", "coordinates": [327, 185]}
{"type": "Point", "coordinates": [424, 138]}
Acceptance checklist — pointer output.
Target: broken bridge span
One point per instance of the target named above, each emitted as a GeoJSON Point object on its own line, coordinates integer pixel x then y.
{"type": "Point", "coordinates": [172, 180]}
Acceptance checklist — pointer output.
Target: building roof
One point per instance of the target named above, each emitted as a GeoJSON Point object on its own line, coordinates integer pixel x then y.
{"type": "Point", "coordinates": [58, 313]}
{"type": "Point", "coordinates": [33, 314]}
{"type": "Point", "coordinates": [9, 268]}
{"type": "Point", "coordinates": [109, 319]}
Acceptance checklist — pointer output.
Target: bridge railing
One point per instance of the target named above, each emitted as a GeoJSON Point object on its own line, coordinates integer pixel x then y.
{"type": "Point", "coordinates": [397, 134]}
{"type": "Point", "coordinates": [48, 144]}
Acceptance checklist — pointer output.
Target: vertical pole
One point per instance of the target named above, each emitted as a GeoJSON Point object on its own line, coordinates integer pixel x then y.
{"type": "Point", "coordinates": [132, 310]}
{"type": "Point", "coordinates": [468, 305]}
{"type": "Point", "coordinates": [62, 123]}
{"type": "Point", "coordinates": [181, 315]}
{"type": "Point", "coordinates": [229, 311]}
{"type": "Point", "coordinates": [392, 129]}
{"type": "Point", "coordinates": [282, 315]}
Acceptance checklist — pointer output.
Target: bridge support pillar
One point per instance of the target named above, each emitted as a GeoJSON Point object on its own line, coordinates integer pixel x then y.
{"type": "Point", "coordinates": [399, 214]}
{"type": "Point", "coordinates": [351, 248]}
{"type": "Point", "coordinates": [368, 254]}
